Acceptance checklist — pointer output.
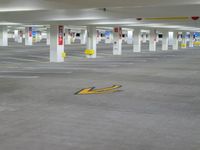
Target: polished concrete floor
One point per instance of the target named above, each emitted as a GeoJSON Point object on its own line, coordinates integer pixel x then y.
{"type": "Point", "coordinates": [157, 109]}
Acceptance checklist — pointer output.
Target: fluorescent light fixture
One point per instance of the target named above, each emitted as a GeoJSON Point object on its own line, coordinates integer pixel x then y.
{"type": "Point", "coordinates": [16, 9]}
{"type": "Point", "coordinates": [9, 23]}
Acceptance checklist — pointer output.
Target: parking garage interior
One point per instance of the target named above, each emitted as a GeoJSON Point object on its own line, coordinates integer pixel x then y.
{"type": "Point", "coordinates": [99, 75]}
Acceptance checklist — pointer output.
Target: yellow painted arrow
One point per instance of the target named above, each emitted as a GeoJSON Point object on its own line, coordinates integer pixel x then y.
{"type": "Point", "coordinates": [92, 90]}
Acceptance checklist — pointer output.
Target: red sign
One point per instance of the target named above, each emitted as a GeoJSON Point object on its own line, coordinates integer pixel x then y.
{"type": "Point", "coordinates": [195, 17]}
{"type": "Point", "coordinates": [119, 31]}
{"type": "Point", "coordinates": [116, 29]}
{"type": "Point", "coordinates": [60, 35]}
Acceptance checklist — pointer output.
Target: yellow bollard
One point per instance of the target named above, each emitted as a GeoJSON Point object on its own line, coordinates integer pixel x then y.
{"type": "Point", "coordinates": [89, 52]}
{"type": "Point", "coordinates": [64, 55]}
{"type": "Point", "coordinates": [183, 45]}
{"type": "Point", "coordinates": [197, 43]}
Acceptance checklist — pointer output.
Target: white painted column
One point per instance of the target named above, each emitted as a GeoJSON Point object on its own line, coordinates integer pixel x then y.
{"type": "Point", "coordinates": [68, 38]}
{"type": "Point", "coordinates": [111, 37]}
{"type": "Point", "coordinates": [98, 36]}
{"type": "Point", "coordinates": [152, 40]}
{"type": "Point", "coordinates": [57, 43]}
{"type": "Point", "coordinates": [130, 37]}
{"type": "Point", "coordinates": [38, 36]}
{"type": "Point", "coordinates": [28, 36]}
{"type": "Point", "coordinates": [83, 37]}
{"type": "Point", "coordinates": [191, 43]}
{"type": "Point", "coordinates": [48, 36]}
{"type": "Point", "coordinates": [137, 40]}
{"type": "Point", "coordinates": [144, 39]}
{"type": "Point", "coordinates": [3, 36]}
{"type": "Point", "coordinates": [92, 40]}
{"type": "Point", "coordinates": [165, 40]}
{"type": "Point", "coordinates": [16, 35]}
{"type": "Point", "coordinates": [20, 36]}
{"type": "Point", "coordinates": [117, 41]}
{"type": "Point", "coordinates": [184, 41]}
{"type": "Point", "coordinates": [175, 40]}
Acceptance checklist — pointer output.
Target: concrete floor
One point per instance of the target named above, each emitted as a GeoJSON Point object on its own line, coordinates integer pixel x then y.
{"type": "Point", "coordinates": [158, 109]}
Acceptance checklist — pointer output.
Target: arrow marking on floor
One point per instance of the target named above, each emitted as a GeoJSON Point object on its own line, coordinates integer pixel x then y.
{"type": "Point", "coordinates": [92, 90]}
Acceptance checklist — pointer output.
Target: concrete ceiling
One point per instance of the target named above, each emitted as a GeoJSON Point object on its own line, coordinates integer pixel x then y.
{"type": "Point", "coordinates": [90, 12]}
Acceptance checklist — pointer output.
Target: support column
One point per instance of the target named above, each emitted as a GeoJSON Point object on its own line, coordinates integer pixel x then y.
{"type": "Point", "coordinates": [191, 44]}
{"type": "Point", "coordinates": [92, 41]}
{"type": "Point", "coordinates": [28, 36]}
{"type": "Point", "coordinates": [117, 41]}
{"type": "Point", "coordinates": [165, 40]}
{"type": "Point", "coordinates": [175, 40]}
{"type": "Point", "coordinates": [3, 36]}
{"type": "Point", "coordinates": [152, 40]}
{"type": "Point", "coordinates": [130, 37]}
{"type": "Point", "coordinates": [38, 36]}
{"type": "Point", "coordinates": [184, 41]}
{"type": "Point", "coordinates": [68, 39]}
{"type": "Point", "coordinates": [57, 43]}
{"type": "Point", "coordinates": [16, 35]}
{"type": "Point", "coordinates": [48, 36]}
{"type": "Point", "coordinates": [20, 36]}
{"type": "Point", "coordinates": [137, 40]}
{"type": "Point", "coordinates": [98, 36]}
{"type": "Point", "coordinates": [144, 39]}
{"type": "Point", "coordinates": [83, 37]}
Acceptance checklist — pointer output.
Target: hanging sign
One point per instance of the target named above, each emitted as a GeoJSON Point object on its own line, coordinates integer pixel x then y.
{"type": "Point", "coordinates": [60, 35]}
{"type": "Point", "coordinates": [119, 31]}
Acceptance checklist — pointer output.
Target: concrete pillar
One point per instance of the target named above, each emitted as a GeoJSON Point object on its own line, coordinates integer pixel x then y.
{"type": "Point", "coordinates": [28, 36]}
{"type": "Point", "coordinates": [83, 36]}
{"type": "Point", "coordinates": [92, 41]}
{"type": "Point", "coordinates": [48, 36]}
{"type": "Point", "coordinates": [137, 40]}
{"type": "Point", "coordinates": [57, 43]}
{"type": "Point", "coordinates": [3, 36]}
{"type": "Point", "coordinates": [20, 36]}
{"type": "Point", "coordinates": [98, 36]}
{"type": "Point", "coordinates": [117, 41]}
{"type": "Point", "coordinates": [68, 37]}
{"type": "Point", "coordinates": [130, 37]}
{"type": "Point", "coordinates": [165, 40]}
{"type": "Point", "coordinates": [175, 40]}
{"type": "Point", "coordinates": [184, 41]}
{"type": "Point", "coordinates": [144, 38]}
{"type": "Point", "coordinates": [191, 43]}
{"type": "Point", "coordinates": [38, 36]}
{"type": "Point", "coordinates": [16, 35]}
{"type": "Point", "coordinates": [152, 40]}
{"type": "Point", "coordinates": [73, 37]}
